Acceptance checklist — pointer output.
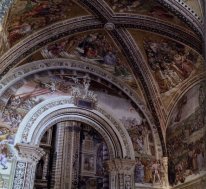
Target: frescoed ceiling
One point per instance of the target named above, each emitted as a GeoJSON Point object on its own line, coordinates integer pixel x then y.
{"type": "Point", "coordinates": [27, 16]}
{"type": "Point", "coordinates": [95, 47]}
{"type": "Point", "coordinates": [153, 46]}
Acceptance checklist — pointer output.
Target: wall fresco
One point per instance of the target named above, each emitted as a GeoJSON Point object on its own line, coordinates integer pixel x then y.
{"type": "Point", "coordinates": [60, 82]}
{"type": "Point", "coordinates": [96, 48]}
{"type": "Point", "coordinates": [186, 137]}
{"type": "Point", "coordinates": [172, 64]}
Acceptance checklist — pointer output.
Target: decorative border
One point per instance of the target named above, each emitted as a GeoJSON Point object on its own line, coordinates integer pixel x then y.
{"type": "Point", "coordinates": [59, 109]}
{"type": "Point", "coordinates": [19, 175]}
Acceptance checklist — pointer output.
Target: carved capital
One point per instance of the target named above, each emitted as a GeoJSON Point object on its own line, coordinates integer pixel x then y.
{"type": "Point", "coordinates": [29, 153]}
{"type": "Point", "coordinates": [121, 166]}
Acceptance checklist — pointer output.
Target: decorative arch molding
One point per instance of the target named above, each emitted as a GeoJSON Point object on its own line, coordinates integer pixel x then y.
{"type": "Point", "coordinates": [178, 7]}
{"type": "Point", "coordinates": [142, 71]}
{"type": "Point", "coordinates": [184, 11]}
{"type": "Point", "coordinates": [183, 91]}
{"type": "Point", "coordinates": [60, 109]}
{"type": "Point", "coordinates": [55, 110]}
{"type": "Point", "coordinates": [35, 67]}
{"type": "Point", "coordinates": [48, 64]}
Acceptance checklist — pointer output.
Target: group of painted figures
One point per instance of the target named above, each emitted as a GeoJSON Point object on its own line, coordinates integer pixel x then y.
{"type": "Point", "coordinates": [186, 162]}
{"type": "Point", "coordinates": [171, 63]}
{"type": "Point", "coordinates": [147, 171]}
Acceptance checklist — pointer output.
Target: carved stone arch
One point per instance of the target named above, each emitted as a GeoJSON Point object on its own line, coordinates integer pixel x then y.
{"type": "Point", "coordinates": [60, 109]}
{"type": "Point", "coordinates": [38, 66]}
{"type": "Point", "coordinates": [55, 110]}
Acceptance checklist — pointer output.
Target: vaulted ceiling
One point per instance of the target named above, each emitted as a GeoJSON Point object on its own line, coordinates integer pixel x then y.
{"type": "Point", "coordinates": [155, 46]}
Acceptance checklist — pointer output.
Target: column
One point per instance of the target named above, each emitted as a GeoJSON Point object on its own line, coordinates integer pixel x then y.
{"type": "Point", "coordinates": [106, 174]}
{"type": "Point", "coordinates": [58, 156]}
{"type": "Point", "coordinates": [165, 180]}
{"type": "Point", "coordinates": [28, 157]}
{"type": "Point", "coordinates": [121, 173]}
{"type": "Point", "coordinates": [71, 146]}
{"type": "Point", "coordinates": [45, 168]}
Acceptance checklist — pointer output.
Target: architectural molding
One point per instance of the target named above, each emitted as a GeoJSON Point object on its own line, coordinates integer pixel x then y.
{"type": "Point", "coordinates": [28, 157]}
{"type": "Point", "coordinates": [29, 153]}
{"type": "Point", "coordinates": [187, 13]}
{"type": "Point", "coordinates": [52, 111]}
{"type": "Point", "coordinates": [21, 72]}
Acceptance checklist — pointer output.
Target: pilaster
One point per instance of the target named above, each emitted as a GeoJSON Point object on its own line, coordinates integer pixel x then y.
{"type": "Point", "coordinates": [28, 157]}
{"type": "Point", "coordinates": [164, 172]}
{"type": "Point", "coordinates": [121, 173]}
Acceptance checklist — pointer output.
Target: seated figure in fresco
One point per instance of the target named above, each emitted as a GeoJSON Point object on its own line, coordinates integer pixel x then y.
{"type": "Point", "coordinates": [163, 81]}
{"type": "Point", "coordinates": [19, 30]}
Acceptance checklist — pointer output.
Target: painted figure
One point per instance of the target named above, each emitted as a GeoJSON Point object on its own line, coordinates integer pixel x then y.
{"type": "Point", "coordinates": [170, 62]}
{"type": "Point", "coordinates": [156, 171]}
{"type": "Point", "coordinates": [139, 172]}
{"type": "Point", "coordinates": [3, 156]}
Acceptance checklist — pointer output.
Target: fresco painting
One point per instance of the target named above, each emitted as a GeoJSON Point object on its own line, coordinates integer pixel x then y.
{"type": "Point", "coordinates": [186, 137]}
{"type": "Point", "coordinates": [27, 16]}
{"type": "Point", "coordinates": [7, 159]}
{"type": "Point", "coordinates": [170, 62]}
{"type": "Point", "coordinates": [42, 87]}
{"type": "Point", "coordinates": [96, 48]}
{"type": "Point", "coordinates": [150, 8]}
{"type": "Point", "coordinates": [148, 170]}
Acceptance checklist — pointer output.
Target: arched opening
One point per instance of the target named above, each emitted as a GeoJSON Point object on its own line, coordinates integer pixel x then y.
{"type": "Point", "coordinates": [45, 97]}
{"type": "Point", "coordinates": [74, 152]}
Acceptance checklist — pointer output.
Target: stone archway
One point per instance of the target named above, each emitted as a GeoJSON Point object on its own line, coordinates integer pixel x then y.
{"type": "Point", "coordinates": [32, 68]}
{"type": "Point", "coordinates": [31, 130]}
{"type": "Point", "coordinates": [56, 110]}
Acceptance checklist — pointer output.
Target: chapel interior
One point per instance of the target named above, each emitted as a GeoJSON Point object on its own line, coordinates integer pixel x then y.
{"type": "Point", "coordinates": [102, 94]}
